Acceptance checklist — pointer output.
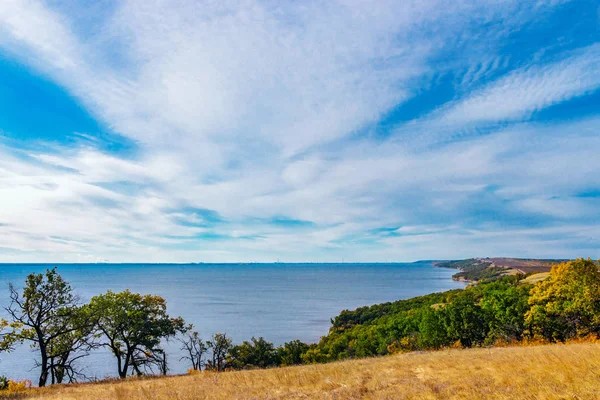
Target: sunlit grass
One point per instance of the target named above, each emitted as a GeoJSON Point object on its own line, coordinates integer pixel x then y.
{"type": "Point", "coordinates": [538, 372]}
{"type": "Point", "coordinates": [535, 278]}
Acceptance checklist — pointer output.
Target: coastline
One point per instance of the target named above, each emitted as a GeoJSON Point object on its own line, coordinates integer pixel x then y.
{"type": "Point", "coordinates": [474, 270]}
{"type": "Point", "coordinates": [241, 300]}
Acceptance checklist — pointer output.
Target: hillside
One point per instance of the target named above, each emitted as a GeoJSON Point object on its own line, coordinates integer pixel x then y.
{"type": "Point", "coordinates": [542, 372]}
{"type": "Point", "coordinates": [481, 269]}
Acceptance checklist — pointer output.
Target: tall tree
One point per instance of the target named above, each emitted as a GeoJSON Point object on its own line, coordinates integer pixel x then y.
{"type": "Point", "coordinates": [220, 345]}
{"type": "Point", "coordinates": [194, 347]}
{"type": "Point", "coordinates": [291, 352]}
{"type": "Point", "coordinates": [66, 349]}
{"type": "Point", "coordinates": [45, 310]}
{"type": "Point", "coordinates": [505, 306]}
{"type": "Point", "coordinates": [132, 326]}
{"type": "Point", "coordinates": [567, 303]}
{"type": "Point", "coordinates": [257, 353]}
{"type": "Point", "coordinates": [465, 320]}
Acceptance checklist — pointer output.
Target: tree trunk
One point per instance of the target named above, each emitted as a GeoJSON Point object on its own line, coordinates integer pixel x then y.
{"type": "Point", "coordinates": [44, 366]}
{"type": "Point", "coordinates": [44, 358]}
{"type": "Point", "coordinates": [60, 373]}
{"type": "Point", "coordinates": [122, 372]}
{"type": "Point", "coordinates": [52, 375]}
{"type": "Point", "coordinates": [125, 366]}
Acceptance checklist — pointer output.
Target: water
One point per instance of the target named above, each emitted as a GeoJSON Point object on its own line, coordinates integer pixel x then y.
{"type": "Point", "coordinates": [280, 302]}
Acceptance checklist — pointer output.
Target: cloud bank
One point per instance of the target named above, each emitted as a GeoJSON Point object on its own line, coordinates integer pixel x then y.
{"type": "Point", "coordinates": [304, 131]}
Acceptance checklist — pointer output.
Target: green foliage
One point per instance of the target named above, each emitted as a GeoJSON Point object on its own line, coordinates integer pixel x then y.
{"type": "Point", "coordinates": [433, 333]}
{"type": "Point", "coordinates": [314, 354]}
{"type": "Point", "coordinates": [465, 320]}
{"type": "Point", "coordinates": [567, 304]}
{"type": "Point", "coordinates": [220, 345]}
{"type": "Point", "coordinates": [46, 312]}
{"type": "Point", "coordinates": [71, 345]}
{"type": "Point", "coordinates": [368, 314]}
{"type": "Point", "coordinates": [3, 382]}
{"type": "Point", "coordinates": [481, 273]}
{"type": "Point", "coordinates": [473, 269]}
{"type": "Point", "coordinates": [472, 317]}
{"type": "Point", "coordinates": [506, 309]}
{"type": "Point", "coordinates": [257, 353]}
{"type": "Point", "coordinates": [291, 352]}
{"type": "Point", "coordinates": [9, 334]}
{"type": "Point", "coordinates": [132, 326]}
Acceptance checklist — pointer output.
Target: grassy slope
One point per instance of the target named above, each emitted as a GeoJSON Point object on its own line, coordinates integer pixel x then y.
{"type": "Point", "coordinates": [475, 269]}
{"type": "Point", "coordinates": [542, 372]}
{"type": "Point", "coordinates": [535, 278]}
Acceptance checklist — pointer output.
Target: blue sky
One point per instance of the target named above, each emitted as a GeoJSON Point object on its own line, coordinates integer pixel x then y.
{"type": "Point", "coordinates": [160, 131]}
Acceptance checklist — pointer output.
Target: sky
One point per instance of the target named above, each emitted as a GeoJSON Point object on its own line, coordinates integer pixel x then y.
{"type": "Point", "coordinates": [318, 131]}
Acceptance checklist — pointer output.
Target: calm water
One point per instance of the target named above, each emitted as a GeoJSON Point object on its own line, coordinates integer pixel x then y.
{"type": "Point", "coordinates": [280, 302]}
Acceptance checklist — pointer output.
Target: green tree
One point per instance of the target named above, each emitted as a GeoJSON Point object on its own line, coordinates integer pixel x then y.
{"type": "Point", "coordinates": [316, 353]}
{"type": "Point", "coordinates": [257, 353]}
{"type": "Point", "coordinates": [66, 349]}
{"type": "Point", "coordinates": [132, 326]}
{"type": "Point", "coordinates": [291, 352]}
{"type": "Point", "coordinates": [505, 307]}
{"type": "Point", "coordinates": [219, 345]}
{"type": "Point", "coordinates": [432, 330]}
{"type": "Point", "coordinates": [45, 310]}
{"type": "Point", "coordinates": [465, 320]}
{"type": "Point", "coordinates": [567, 303]}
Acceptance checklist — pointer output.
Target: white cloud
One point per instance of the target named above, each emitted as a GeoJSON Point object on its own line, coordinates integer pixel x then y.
{"type": "Point", "coordinates": [245, 109]}
{"type": "Point", "coordinates": [530, 89]}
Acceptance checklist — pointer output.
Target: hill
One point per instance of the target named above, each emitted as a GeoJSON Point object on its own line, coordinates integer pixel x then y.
{"type": "Point", "coordinates": [539, 372]}
{"type": "Point", "coordinates": [477, 269]}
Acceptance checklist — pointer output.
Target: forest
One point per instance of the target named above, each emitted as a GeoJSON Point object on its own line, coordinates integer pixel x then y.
{"type": "Point", "coordinates": [63, 330]}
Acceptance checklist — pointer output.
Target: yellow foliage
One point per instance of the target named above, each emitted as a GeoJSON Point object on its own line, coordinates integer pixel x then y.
{"type": "Point", "coordinates": [17, 386]}
{"type": "Point", "coordinates": [567, 303]}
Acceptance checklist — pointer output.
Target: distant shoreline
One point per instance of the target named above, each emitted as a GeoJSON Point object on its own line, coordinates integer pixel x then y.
{"type": "Point", "coordinates": [474, 270]}
{"type": "Point", "coordinates": [225, 263]}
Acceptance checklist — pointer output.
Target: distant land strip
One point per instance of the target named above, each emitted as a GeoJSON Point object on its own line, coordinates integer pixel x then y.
{"type": "Point", "coordinates": [488, 269]}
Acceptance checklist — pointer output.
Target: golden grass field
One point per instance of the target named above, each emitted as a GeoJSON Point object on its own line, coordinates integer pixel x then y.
{"type": "Point", "coordinates": [535, 278]}
{"type": "Point", "coordinates": [538, 372]}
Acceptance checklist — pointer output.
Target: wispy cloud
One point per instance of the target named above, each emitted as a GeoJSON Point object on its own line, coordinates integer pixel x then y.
{"type": "Point", "coordinates": [252, 130]}
{"type": "Point", "coordinates": [524, 91]}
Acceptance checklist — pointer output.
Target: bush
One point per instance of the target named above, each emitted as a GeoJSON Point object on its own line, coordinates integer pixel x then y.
{"type": "Point", "coordinates": [17, 386]}
{"type": "Point", "coordinates": [257, 353]}
{"type": "Point", "coordinates": [11, 386]}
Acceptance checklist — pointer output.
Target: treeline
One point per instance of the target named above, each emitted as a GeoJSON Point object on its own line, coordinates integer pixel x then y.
{"type": "Point", "coordinates": [473, 269]}
{"type": "Point", "coordinates": [566, 305]}
{"type": "Point", "coordinates": [63, 330]}
{"type": "Point", "coordinates": [133, 327]}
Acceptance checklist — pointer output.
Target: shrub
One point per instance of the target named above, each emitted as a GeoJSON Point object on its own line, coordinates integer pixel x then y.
{"type": "Point", "coordinates": [11, 386]}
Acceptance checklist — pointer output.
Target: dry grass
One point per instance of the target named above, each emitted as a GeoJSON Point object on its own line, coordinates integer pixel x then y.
{"type": "Point", "coordinates": [538, 372]}
{"type": "Point", "coordinates": [535, 278]}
